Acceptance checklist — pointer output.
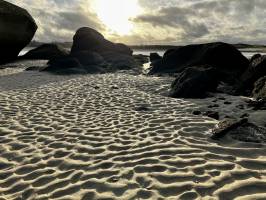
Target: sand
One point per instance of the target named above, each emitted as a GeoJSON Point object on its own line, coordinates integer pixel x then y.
{"type": "Point", "coordinates": [115, 136]}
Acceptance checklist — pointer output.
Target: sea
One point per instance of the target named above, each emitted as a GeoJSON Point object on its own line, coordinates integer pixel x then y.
{"type": "Point", "coordinates": [246, 52]}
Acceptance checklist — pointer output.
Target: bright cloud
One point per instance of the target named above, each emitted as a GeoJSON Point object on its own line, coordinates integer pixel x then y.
{"type": "Point", "coordinates": [159, 22]}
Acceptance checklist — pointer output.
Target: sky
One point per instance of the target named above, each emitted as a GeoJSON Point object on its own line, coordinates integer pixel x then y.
{"type": "Point", "coordinates": [143, 22]}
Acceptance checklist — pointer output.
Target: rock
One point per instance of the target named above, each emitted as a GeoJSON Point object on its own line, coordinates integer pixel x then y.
{"type": "Point", "coordinates": [239, 130]}
{"type": "Point", "coordinates": [213, 106]}
{"type": "Point", "coordinates": [196, 112]}
{"type": "Point", "coordinates": [227, 103]}
{"type": "Point", "coordinates": [141, 59]}
{"type": "Point", "coordinates": [212, 114]}
{"type": "Point", "coordinates": [195, 82]}
{"type": "Point", "coordinates": [70, 65]}
{"type": "Point", "coordinates": [142, 108]}
{"type": "Point", "coordinates": [244, 115]}
{"type": "Point", "coordinates": [17, 29]}
{"type": "Point", "coordinates": [65, 65]}
{"type": "Point", "coordinates": [87, 58]}
{"type": "Point", "coordinates": [256, 70]}
{"type": "Point", "coordinates": [119, 61]}
{"type": "Point", "coordinates": [259, 91]}
{"type": "Point", "coordinates": [88, 39]}
{"type": "Point", "coordinates": [254, 57]}
{"type": "Point", "coordinates": [154, 57]}
{"type": "Point", "coordinates": [46, 52]}
{"type": "Point", "coordinates": [224, 57]}
{"type": "Point", "coordinates": [259, 104]}
{"type": "Point", "coordinates": [35, 68]}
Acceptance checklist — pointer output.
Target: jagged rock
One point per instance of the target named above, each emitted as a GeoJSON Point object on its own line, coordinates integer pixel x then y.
{"type": "Point", "coordinates": [17, 29]}
{"type": "Point", "coordinates": [239, 130]}
{"type": "Point", "coordinates": [259, 91]}
{"type": "Point", "coordinates": [256, 70]}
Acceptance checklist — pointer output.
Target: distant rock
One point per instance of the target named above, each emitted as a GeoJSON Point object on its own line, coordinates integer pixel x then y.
{"type": "Point", "coordinates": [17, 29]}
{"type": "Point", "coordinates": [224, 57]}
{"type": "Point", "coordinates": [259, 91]}
{"type": "Point", "coordinates": [256, 70]}
{"type": "Point", "coordinates": [154, 57]}
{"type": "Point", "coordinates": [195, 82]}
{"type": "Point", "coordinates": [239, 130]}
{"type": "Point", "coordinates": [88, 39]}
{"type": "Point", "coordinates": [46, 52]}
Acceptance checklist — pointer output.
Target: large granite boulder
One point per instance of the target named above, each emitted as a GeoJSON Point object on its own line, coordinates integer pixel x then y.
{"type": "Point", "coordinates": [256, 70]}
{"type": "Point", "coordinates": [259, 91]}
{"type": "Point", "coordinates": [195, 82]}
{"type": "Point", "coordinates": [239, 130]}
{"type": "Point", "coordinates": [88, 39]}
{"type": "Point", "coordinates": [17, 29]}
{"type": "Point", "coordinates": [224, 57]}
{"type": "Point", "coordinates": [46, 52]}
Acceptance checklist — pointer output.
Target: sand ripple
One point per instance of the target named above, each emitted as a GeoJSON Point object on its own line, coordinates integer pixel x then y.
{"type": "Point", "coordinates": [115, 137]}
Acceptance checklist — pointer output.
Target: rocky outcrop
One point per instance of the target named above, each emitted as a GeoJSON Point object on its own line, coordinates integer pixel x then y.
{"type": "Point", "coordinates": [239, 130]}
{"type": "Point", "coordinates": [88, 39]}
{"type": "Point", "coordinates": [17, 29]}
{"type": "Point", "coordinates": [224, 57]}
{"type": "Point", "coordinates": [195, 82]}
{"type": "Point", "coordinates": [256, 70]}
{"type": "Point", "coordinates": [46, 52]}
{"type": "Point", "coordinates": [259, 91]}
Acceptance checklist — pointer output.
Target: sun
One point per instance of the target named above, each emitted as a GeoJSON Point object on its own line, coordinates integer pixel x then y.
{"type": "Point", "coordinates": [116, 14]}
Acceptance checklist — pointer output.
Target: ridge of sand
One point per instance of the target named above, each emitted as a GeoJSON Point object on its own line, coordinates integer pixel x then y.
{"type": "Point", "coordinates": [113, 136]}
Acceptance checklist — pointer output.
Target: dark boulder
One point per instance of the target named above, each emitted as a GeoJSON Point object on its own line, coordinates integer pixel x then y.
{"type": "Point", "coordinates": [224, 57]}
{"type": "Point", "coordinates": [254, 57]}
{"type": "Point", "coordinates": [141, 59]}
{"type": "Point", "coordinates": [259, 91]}
{"type": "Point", "coordinates": [154, 57]}
{"type": "Point", "coordinates": [17, 29]}
{"type": "Point", "coordinates": [256, 70]}
{"type": "Point", "coordinates": [71, 65]}
{"type": "Point", "coordinates": [88, 39]}
{"type": "Point", "coordinates": [46, 52]}
{"type": "Point", "coordinates": [119, 61]}
{"type": "Point", "coordinates": [88, 58]}
{"type": "Point", "coordinates": [195, 82]}
{"type": "Point", "coordinates": [239, 130]}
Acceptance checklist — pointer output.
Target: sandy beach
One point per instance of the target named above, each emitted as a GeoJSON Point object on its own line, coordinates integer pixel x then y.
{"type": "Point", "coordinates": [117, 136]}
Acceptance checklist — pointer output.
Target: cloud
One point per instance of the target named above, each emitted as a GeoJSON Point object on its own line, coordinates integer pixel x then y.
{"type": "Point", "coordinates": [161, 21]}
{"type": "Point", "coordinates": [59, 19]}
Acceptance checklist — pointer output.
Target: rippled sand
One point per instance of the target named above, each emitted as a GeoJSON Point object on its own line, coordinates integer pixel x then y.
{"type": "Point", "coordinates": [114, 136]}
